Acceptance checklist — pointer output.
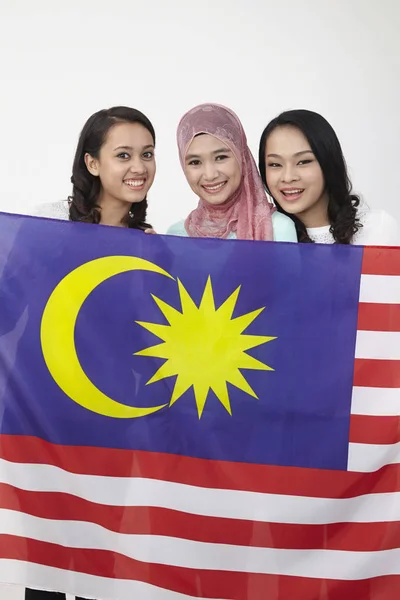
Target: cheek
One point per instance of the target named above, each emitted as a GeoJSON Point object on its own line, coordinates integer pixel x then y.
{"type": "Point", "coordinates": [113, 172]}
{"type": "Point", "coordinates": [272, 178]}
{"type": "Point", "coordinates": [321, 182]}
{"type": "Point", "coordinates": [151, 170]}
{"type": "Point", "coordinates": [108, 177]}
{"type": "Point", "coordinates": [235, 175]}
{"type": "Point", "coordinates": [314, 177]}
{"type": "Point", "coordinates": [192, 178]}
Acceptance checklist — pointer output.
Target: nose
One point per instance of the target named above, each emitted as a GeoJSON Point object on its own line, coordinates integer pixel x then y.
{"type": "Point", "coordinates": [136, 164]}
{"type": "Point", "coordinates": [210, 171]}
{"type": "Point", "coordinates": [289, 174]}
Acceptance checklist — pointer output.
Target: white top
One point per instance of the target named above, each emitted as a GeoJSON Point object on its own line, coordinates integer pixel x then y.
{"type": "Point", "coordinates": [52, 210]}
{"type": "Point", "coordinates": [283, 227]}
{"type": "Point", "coordinates": [378, 229]}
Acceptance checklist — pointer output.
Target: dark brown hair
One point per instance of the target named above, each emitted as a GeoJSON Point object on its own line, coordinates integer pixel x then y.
{"type": "Point", "coordinates": [85, 186]}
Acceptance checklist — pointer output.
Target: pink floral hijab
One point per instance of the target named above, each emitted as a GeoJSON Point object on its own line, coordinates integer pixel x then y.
{"type": "Point", "coordinates": [248, 212]}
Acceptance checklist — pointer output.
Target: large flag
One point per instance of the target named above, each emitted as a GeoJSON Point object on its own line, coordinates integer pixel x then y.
{"type": "Point", "coordinates": [184, 418]}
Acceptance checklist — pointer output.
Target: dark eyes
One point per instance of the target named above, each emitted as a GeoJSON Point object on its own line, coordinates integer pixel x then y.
{"type": "Point", "coordinates": [305, 161]}
{"type": "Point", "coordinates": [126, 156]}
{"type": "Point", "coordinates": [195, 161]}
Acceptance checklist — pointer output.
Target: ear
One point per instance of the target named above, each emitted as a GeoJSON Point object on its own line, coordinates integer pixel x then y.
{"type": "Point", "coordinates": [92, 164]}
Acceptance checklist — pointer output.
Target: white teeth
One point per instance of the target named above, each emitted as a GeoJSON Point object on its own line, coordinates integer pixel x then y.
{"type": "Point", "coordinates": [212, 188]}
{"type": "Point", "coordinates": [135, 183]}
{"type": "Point", "coordinates": [288, 193]}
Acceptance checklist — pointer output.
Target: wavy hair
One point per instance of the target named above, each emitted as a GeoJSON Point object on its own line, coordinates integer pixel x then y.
{"type": "Point", "coordinates": [85, 186]}
{"type": "Point", "coordinates": [342, 203]}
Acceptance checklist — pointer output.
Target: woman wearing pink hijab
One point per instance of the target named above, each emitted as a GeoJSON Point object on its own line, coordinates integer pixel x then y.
{"type": "Point", "coordinates": [221, 171]}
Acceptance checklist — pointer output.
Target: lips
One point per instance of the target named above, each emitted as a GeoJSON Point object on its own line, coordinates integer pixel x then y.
{"type": "Point", "coordinates": [292, 194]}
{"type": "Point", "coordinates": [215, 188]}
{"type": "Point", "coordinates": [135, 184]}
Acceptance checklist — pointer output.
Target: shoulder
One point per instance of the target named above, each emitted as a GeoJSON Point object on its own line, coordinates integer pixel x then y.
{"type": "Point", "coordinates": [284, 229]}
{"type": "Point", "coordinates": [52, 210]}
{"type": "Point", "coordinates": [177, 229]}
{"type": "Point", "coordinates": [379, 228]}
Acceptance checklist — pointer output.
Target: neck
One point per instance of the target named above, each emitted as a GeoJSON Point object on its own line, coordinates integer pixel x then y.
{"type": "Point", "coordinates": [317, 215]}
{"type": "Point", "coordinates": [113, 212]}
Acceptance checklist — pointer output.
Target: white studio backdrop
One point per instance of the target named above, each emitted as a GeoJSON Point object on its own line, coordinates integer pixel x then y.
{"type": "Point", "coordinates": [61, 61]}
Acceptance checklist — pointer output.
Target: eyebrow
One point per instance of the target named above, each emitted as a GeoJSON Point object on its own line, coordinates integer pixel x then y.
{"type": "Point", "coordinates": [226, 150]}
{"type": "Point", "coordinates": [131, 148]}
{"type": "Point", "coordinates": [296, 154]}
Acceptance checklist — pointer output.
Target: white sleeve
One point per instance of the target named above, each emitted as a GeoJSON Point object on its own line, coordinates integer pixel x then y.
{"type": "Point", "coordinates": [51, 210]}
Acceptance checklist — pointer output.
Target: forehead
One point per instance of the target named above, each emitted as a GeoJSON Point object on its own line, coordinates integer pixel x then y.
{"type": "Point", "coordinates": [286, 140]}
{"type": "Point", "coordinates": [205, 144]}
{"type": "Point", "coordinates": [128, 134]}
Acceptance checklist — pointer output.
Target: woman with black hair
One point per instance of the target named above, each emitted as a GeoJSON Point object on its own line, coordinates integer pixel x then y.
{"type": "Point", "coordinates": [303, 168]}
{"type": "Point", "coordinates": [113, 169]}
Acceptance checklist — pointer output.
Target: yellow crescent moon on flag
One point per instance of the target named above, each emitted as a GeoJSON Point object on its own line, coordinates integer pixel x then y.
{"type": "Point", "coordinates": [57, 333]}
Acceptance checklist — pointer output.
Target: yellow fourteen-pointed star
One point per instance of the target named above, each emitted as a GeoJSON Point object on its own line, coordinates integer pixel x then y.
{"type": "Point", "coordinates": [205, 347]}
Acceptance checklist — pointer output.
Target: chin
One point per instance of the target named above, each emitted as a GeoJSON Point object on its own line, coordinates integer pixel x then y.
{"type": "Point", "coordinates": [136, 199]}
{"type": "Point", "coordinates": [215, 201]}
{"type": "Point", "coordinates": [291, 210]}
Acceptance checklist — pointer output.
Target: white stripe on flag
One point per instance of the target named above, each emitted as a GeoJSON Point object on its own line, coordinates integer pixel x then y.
{"type": "Point", "coordinates": [384, 345]}
{"type": "Point", "coordinates": [179, 552]}
{"type": "Point", "coordinates": [367, 458]}
{"type": "Point", "coordinates": [380, 289]}
{"type": "Point", "coordinates": [384, 402]}
{"type": "Point", "coordinates": [234, 504]}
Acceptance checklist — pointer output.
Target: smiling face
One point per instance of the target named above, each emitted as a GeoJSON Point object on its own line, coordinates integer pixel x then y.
{"type": "Point", "coordinates": [212, 169]}
{"type": "Point", "coordinates": [125, 165]}
{"type": "Point", "coordinates": [294, 176]}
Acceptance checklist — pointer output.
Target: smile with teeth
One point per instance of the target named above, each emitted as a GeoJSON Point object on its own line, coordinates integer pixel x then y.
{"type": "Point", "coordinates": [214, 188]}
{"type": "Point", "coordinates": [135, 183]}
{"type": "Point", "coordinates": [292, 194]}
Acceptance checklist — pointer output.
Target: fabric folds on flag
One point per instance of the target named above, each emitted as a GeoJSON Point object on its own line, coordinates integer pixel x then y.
{"type": "Point", "coordinates": [188, 418]}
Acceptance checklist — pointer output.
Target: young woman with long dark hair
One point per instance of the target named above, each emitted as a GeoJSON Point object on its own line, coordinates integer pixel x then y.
{"type": "Point", "coordinates": [113, 169]}
{"type": "Point", "coordinates": [303, 169]}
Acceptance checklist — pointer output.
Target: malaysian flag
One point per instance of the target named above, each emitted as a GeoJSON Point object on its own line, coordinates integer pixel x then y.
{"type": "Point", "coordinates": [187, 418]}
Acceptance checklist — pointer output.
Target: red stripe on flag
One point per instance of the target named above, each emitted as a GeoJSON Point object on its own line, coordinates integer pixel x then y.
{"type": "Point", "coordinates": [267, 479]}
{"type": "Point", "coordinates": [194, 582]}
{"type": "Point", "coordinates": [381, 261]}
{"type": "Point", "coordinates": [378, 317]}
{"type": "Point", "coordinates": [376, 373]}
{"type": "Point", "coordinates": [374, 430]}
{"type": "Point", "coordinates": [140, 520]}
